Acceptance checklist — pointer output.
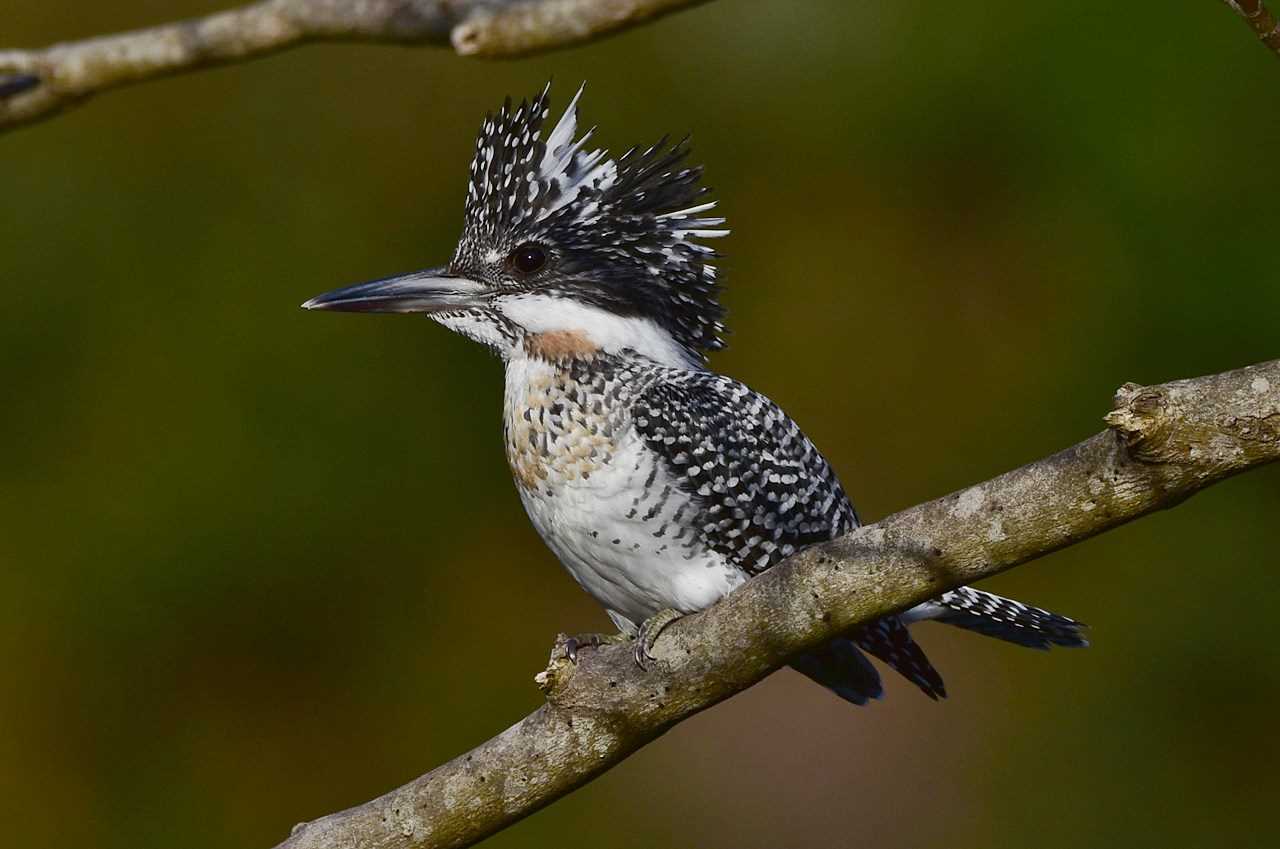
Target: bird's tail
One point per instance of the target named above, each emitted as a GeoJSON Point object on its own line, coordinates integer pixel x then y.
{"type": "Point", "coordinates": [842, 668]}
{"type": "Point", "coordinates": [889, 640]}
{"type": "Point", "coordinates": [1002, 618]}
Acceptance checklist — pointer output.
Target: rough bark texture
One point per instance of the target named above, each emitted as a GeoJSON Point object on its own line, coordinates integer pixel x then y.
{"type": "Point", "coordinates": [520, 28]}
{"type": "Point", "coordinates": [1260, 20]}
{"type": "Point", "coordinates": [36, 84]}
{"type": "Point", "coordinates": [1163, 444]}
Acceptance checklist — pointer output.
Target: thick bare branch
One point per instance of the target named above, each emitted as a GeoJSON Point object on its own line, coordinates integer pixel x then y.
{"type": "Point", "coordinates": [36, 84]}
{"type": "Point", "coordinates": [1164, 443]}
{"type": "Point", "coordinates": [1260, 20]}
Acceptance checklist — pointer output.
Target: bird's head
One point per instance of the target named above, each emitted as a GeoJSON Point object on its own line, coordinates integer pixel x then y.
{"type": "Point", "coordinates": [568, 249]}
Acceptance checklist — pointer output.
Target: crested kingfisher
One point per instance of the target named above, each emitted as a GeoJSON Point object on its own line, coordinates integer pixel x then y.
{"type": "Point", "coordinates": [658, 483]}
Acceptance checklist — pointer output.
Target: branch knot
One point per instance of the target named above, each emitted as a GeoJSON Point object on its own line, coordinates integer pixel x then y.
{"type": "Point", "coordinates": [1138, 417]}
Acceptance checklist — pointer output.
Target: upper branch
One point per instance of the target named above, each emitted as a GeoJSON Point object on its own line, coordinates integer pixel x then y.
{"type": "Point", "coordinates": [36, 84]}
{"type": "Point", "coordinates": [1164, 443]}
{"type": "Point", "coordinates": [1260, 20]}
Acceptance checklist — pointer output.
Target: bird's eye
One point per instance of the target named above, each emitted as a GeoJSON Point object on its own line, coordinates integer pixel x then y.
{"type": "Point", "coordinates": [527, 258]}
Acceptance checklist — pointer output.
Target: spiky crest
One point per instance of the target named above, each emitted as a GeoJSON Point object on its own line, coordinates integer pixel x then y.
{"type": "Point", "coordinates": [626, 230]}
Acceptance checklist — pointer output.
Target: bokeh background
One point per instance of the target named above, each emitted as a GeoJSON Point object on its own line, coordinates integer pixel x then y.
{"type": "Point", "coordinates": [257, 565]}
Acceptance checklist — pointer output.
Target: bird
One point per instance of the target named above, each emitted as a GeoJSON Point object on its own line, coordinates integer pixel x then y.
{"type": "Point", "coordinates": [660, 484]}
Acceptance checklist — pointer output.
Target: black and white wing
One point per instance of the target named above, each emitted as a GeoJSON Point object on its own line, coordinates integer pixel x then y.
{"type": "Point", "coordinates": [760, 488]}
{"type": "Point", "coordinates": [762, 491]}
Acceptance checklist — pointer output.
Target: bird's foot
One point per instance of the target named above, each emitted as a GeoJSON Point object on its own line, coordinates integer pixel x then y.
{"type": "Point", "coordinates": [570, 645]}
{"type": "Point", "coordinates": [648, 634]}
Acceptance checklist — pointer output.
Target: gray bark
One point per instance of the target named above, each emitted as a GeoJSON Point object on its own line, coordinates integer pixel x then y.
{"type": "Point", "coordinates": [36, 84]}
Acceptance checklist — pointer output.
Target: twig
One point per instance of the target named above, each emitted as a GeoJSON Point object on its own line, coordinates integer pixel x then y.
{"type": "Point", "coordinates": [1164, 443]}
{"type": "Point", "coordinates": [37, 84]}
{"type": "Point", "coordinates": [1260, 20]}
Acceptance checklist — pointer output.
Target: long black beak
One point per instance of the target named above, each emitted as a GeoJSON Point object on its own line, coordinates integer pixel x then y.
{"type": "Point", "coordinates": [433, 290]}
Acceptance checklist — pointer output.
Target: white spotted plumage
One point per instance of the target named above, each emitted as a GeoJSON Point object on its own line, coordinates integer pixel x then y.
{"type": "Point", "coordinates": [657, 483]}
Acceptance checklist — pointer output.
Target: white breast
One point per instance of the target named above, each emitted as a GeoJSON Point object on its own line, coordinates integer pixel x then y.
{"type": "Point", "coordinates": [599, 530]}
{"type": "Point", "coordinates": [610, 513]}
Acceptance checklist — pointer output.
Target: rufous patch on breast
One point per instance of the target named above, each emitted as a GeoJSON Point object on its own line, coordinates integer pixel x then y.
{"type": "Point", "coordinates": [558, 345]}
{"type": "Point", "coordinates": [557, 433]}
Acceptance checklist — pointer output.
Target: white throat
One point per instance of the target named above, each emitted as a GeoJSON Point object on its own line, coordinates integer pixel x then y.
{"type": "Point", "coordinates": [604, 330]}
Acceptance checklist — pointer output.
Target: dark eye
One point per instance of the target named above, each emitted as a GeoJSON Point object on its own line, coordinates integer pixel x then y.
{"type": "Point", "coordinates": [527, 258]}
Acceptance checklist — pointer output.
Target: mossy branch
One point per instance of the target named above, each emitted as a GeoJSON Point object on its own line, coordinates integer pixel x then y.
{"type": "Point", "coordinates": [1163, 444]}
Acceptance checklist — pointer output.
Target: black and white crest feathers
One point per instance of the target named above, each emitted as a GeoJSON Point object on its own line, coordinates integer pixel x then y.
{"type": "Point", "coordinates": [626, 231]}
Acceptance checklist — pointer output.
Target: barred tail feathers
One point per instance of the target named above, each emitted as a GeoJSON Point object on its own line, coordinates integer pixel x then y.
{"type": "Point", "coordinates": [1003, 618]}
{"type": "Point", "coordinates": [889, 640]}
{"type": "Point", "coordinates": [844, 670]}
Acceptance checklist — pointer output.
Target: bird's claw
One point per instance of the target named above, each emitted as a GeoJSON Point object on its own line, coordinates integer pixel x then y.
{"type": "Point", "coordinates": [647, 636]}
{"type": "Point", "coordinates": [572, 644]}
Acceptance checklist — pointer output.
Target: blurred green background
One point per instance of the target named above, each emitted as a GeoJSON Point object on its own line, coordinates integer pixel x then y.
{"type": "Point", "coordinates": [257, 565]}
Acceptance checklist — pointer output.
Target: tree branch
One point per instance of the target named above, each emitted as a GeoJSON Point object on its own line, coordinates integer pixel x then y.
{"type": "Point", "coordinates": [1164, 443]}
{"type": "Point", "coordinates": [1260, 20]}
{"type": "Point", "coordinates": [36, 84]}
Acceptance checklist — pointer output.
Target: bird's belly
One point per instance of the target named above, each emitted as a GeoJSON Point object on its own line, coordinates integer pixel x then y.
{"type": "Point", "coordinates": [620, 534]}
